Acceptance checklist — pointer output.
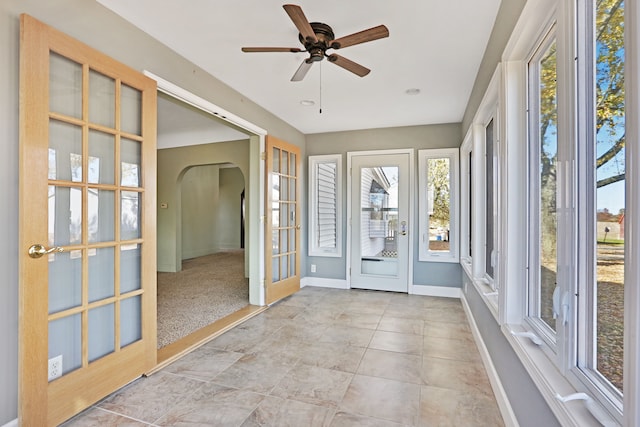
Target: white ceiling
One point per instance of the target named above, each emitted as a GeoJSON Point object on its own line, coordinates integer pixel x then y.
{"type": "Point", "coordinates": [180, 124]}
{"type": "Point", "coordinates": [434, 45]}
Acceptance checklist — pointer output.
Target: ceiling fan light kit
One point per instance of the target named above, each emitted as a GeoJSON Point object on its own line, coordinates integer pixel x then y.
{"type": "Point", "coordinates": [317, 38]}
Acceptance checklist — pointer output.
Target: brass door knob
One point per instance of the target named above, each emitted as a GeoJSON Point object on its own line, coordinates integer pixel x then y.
{"type": "Point", "coordinates": [38, 250]}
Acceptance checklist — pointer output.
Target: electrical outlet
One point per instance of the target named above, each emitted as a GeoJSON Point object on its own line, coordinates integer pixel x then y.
{"type": "Point", "coordinates": [313, 268]}
{"type": "Point", "coordinates": [55, 367]}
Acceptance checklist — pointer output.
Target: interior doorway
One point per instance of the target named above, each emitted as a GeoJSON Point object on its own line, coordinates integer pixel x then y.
{"type": "Point", "coordinates": [203, 170]}
{"type": "Point", "coordinates": [212, 281]}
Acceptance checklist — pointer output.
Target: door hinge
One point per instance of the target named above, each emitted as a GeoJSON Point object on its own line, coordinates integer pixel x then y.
{"type": "Point", "coordinates": [263, 155]}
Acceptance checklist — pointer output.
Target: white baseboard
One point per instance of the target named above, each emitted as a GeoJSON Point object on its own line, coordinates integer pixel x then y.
{"type": "Point", "coordinates": [13, 423]}
{"type": "Point", "coordinates": [324, 283]}
{"type": "Point", "coordinates": [435, 291]}
{"type": "Point", "coordinates": [500, 393]}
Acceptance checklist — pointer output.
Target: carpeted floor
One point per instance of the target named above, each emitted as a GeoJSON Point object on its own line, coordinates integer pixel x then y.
{"type": "Point", "coordinates": [207, 289]}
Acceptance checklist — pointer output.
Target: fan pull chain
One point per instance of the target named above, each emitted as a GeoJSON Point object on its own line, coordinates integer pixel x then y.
{"type": "Point", "coordinates": [320, 87]}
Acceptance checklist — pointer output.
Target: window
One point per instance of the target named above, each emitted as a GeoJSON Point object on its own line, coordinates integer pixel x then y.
{"type": "Point", "coordinates": [490, 205]}
{"type": "Point", "coordinates": [562, 208]}
{"type": "Point", "coordinates": [600, 214]}
{"type": "Point", "coordinates": [325, 200]}
{"type": "Point", "coordinates": [439, 203]}
{"type": "Point", "coordinates": [545, 298]}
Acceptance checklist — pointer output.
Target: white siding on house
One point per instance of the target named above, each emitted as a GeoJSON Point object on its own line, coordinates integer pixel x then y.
{"type": "Point", "coordinates": [369, 246]}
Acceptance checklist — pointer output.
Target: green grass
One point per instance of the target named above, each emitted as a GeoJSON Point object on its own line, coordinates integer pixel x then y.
{"type": "Point", "coordinates": [611, 242]}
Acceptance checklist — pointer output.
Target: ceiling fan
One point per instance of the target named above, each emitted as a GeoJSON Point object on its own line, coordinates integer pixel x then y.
{"type": "Point", "coordinates": [317, 38]}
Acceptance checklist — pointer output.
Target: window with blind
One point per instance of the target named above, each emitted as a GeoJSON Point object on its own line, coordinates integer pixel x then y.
{"type": "Point", "coordinates": [325, 200]}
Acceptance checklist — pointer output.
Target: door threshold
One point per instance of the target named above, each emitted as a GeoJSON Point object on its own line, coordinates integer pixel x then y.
{"type": "Point", "coordinates": [172, 352]}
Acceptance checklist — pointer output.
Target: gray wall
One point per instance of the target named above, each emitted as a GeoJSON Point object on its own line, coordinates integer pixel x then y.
{"type": "Point", "coordinates": [415, 137]}
{"type": "Point", "coordinates": [94, 25]}
{"type": "Point", "coordinates": [528, 405]}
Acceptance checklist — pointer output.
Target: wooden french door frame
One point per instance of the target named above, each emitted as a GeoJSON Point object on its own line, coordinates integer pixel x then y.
{"type": "Point", "coordinates": [41, 402]}
{"type": "Point", "coordinates": [282, 225]}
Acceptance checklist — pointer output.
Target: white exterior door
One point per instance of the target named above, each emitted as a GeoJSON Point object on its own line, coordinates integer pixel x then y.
{"type": "Point", "coordinates": [379, 217]}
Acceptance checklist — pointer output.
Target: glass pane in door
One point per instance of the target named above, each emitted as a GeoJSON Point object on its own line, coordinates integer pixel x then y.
{"type": "Point", "coordinates": [102, 336]}
{"type": "Point", "coordinates": [379, 220]}
{"type": "Point", "coordinates": [130, 317]}
{"type": "Point", "coordinates": [102, 99]}
{"type": "Point", "coordinates": [65, 86]}
{"type": "Point", "coordinates": [65, 341]}
{"type": "Point", "coordinates": [65, 281]}
{"type": "Point", "coordinates": [130, 160]}
{"type": "Point", "coordinates": [130, 110]}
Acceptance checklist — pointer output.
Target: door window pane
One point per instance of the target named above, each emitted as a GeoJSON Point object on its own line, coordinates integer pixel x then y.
{"type": "Point", "coordinates": [65, 280]}
{"type": "Point", "coordinates": [130, 110]}
{"type": "Point", "coordinates": [65, 151]}
{"type": "Point", "coordinates": [101, 158]}
{"type": "Point", "coordinates": [101, 331]}
{"type": "Point", "coordinates": [379, 220]}
{"type": "Point", "coordinates": [292, 164]}
{"type": "Point", "coordinates": [130, 160]}
{"type": "Point", "coordinates": [275, 266]}
{"type": "Point", "coordinates": [101, 273]}
{"type": "Point", "coordinates": [65, 216]}
{"type": "Point", "coordinates": [101, 215]}
{"type": "Point", "coordinates": [276, 160]}
{"type": "Point", "coordinates": [65, 339]}
{"type": "Point", "coordinates": [102, 99]}
{"type": "Point", "coordinates": [285, 163]}
{"type": "Point", "coordinates": [130, 275]}
{"type": "Point", "coordinates": [130, 320]}
{"type": "Point", "coordinates": [284, 267]}
{"type": "Point", "coordinates": [130, 215]}
{"type": "Point", "coordinates": [65, 86]}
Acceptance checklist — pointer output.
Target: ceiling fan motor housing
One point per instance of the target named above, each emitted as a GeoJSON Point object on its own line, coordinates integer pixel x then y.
{"type": "Point", "coordinates": [325, 36]}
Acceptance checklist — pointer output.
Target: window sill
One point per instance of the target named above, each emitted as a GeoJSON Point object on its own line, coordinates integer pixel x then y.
{"type": "Point", "coordinates": [488, 295]}
{"type": "Point", "coordinates": [549, 381]}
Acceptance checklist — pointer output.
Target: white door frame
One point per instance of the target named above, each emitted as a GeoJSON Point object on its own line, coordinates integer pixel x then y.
{"type": "Point", "coordinates": [257, 181]}
{"type": "Point", "coordinates": [412, 222]}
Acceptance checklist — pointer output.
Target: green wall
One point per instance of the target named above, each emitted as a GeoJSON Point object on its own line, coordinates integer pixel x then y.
{"type": "Point", "coordinates": [211, 209]}
{"type": "Point", "coordinates": [192, 167]}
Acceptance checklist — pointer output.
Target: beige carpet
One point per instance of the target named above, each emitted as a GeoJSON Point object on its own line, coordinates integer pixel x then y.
{"type": "Point", "coordinates": [207, 289]}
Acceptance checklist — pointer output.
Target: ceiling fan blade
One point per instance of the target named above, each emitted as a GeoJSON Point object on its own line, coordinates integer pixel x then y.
{"type": "Point", "coordinates": [349, 65]}
{"type": "Point", "coordinates": [271, 49]}
{"type": "Point", "coordinates": [297, 16]}
{"type": "Point", "coordinates": [364, 36]}
{"type": "Point", "coordinates": [302, 71]}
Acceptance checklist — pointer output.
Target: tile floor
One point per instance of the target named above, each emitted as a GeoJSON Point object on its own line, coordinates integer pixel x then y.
{"type": "Point", "coordinates": [322, 357]}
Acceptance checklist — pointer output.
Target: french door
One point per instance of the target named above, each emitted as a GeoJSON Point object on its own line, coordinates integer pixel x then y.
{"type": "Point", "coordinates": [379, 217]}
{"type": "Point", "coordinates": [87, 225]}
{"type": "Point", "coordinates": [283, 220]}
